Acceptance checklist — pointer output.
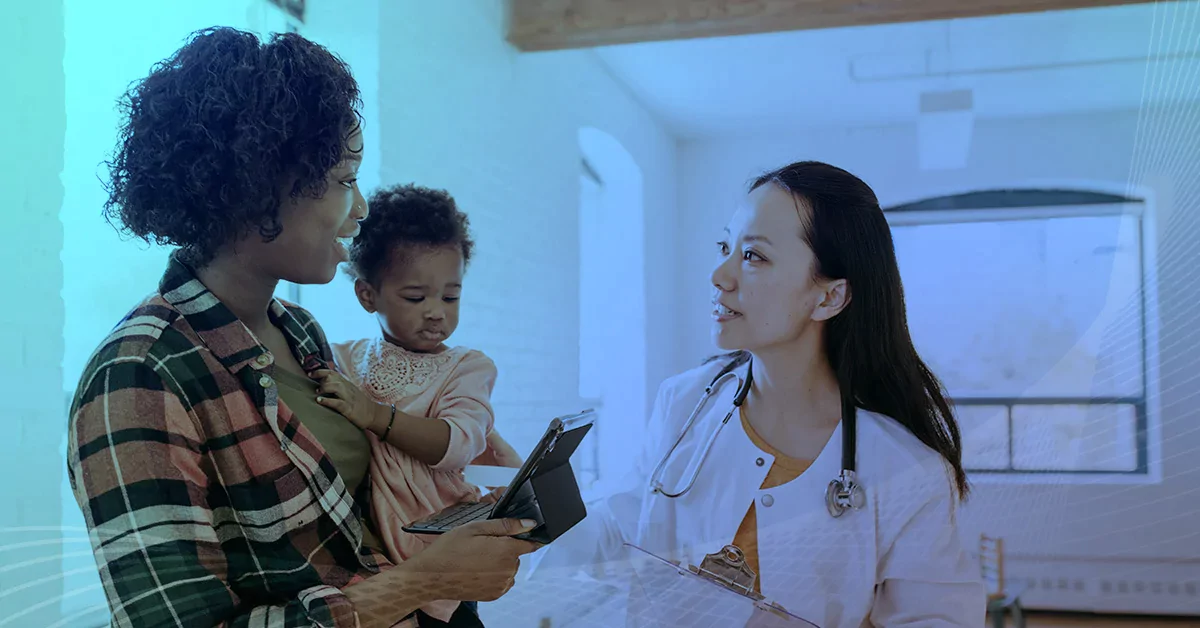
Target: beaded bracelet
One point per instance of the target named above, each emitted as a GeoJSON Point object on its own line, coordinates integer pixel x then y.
{"type": "Point", "coordinates": [390, 422]}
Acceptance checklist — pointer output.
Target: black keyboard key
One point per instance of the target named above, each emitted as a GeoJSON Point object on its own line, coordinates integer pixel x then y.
{"type": "Point", "coordinates": [457, 515]}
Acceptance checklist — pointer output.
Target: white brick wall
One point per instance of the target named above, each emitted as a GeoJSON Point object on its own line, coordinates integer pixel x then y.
{"type": "Point", "coordinates": [32, 126]}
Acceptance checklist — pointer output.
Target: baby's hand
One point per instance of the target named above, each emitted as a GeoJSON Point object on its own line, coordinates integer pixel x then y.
{"type": "Point", "coordinates": [340, 395]}
{"type": "Point", "coordinates": [499, 453]}
{"type": "Point", "coordinates": [493, 495]}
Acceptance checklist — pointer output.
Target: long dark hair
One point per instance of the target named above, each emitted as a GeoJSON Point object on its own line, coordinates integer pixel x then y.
{"type": "Point", "coordinates": [868, 344]}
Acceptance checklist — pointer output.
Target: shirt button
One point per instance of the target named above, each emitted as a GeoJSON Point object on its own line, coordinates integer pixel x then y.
{"type": "Point", "coordinates": [263, 359]}
{"type": "Point", "coordinates": [760, 462]}
{"type": "Point", "coordinates": [265, 381]}
{"type": "Point", "coordinates": [768, 501]}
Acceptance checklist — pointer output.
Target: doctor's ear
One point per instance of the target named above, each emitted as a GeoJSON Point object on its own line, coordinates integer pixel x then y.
{"type": "Point", "coordinates": [366, 295]}
{"type": "Point", "coordinates": [834, 300]}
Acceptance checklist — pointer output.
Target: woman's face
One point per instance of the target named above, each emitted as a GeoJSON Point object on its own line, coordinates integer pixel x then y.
{"type": "Point", "coordinates": [308, 249]}
{"type": "Point", "coordinates": [764, 290]}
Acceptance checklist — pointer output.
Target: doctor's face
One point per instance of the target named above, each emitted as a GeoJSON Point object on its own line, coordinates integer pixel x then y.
{"type": "Point", "coordinates": [765, 290]}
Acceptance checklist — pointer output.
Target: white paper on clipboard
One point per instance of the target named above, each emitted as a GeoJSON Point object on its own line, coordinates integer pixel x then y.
{"type": "Point", "coordinates": [663, 593]}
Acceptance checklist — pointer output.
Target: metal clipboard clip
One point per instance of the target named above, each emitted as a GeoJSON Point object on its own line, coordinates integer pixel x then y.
{"type": "Point", "coordinates": [658, 593]}
{"type": "Point", "coordinates": [728, 568]}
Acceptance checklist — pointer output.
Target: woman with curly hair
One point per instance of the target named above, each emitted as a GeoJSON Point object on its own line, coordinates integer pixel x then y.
{"type": "Point", "coordinates": [214, 494]}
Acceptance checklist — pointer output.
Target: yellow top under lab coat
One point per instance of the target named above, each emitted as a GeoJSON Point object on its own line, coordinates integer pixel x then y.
{"type": "Point", "coordinates": [897, 562]}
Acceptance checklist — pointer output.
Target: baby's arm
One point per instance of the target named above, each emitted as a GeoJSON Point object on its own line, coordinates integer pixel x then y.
{"type": "Point", "coordinates": [450, 439]}
{"type": "Point", "coordinates": [499, 453]}
{"type": "Point", "coordinates": [466, 409]}
{"type": "Point", "coordinates": [457, 431]}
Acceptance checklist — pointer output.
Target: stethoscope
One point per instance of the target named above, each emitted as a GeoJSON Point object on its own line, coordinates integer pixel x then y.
{"type": "Point", "coordinates": [842, 493]}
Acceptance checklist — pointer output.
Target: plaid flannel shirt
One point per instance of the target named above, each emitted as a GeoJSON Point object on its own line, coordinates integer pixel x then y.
{"type": "Point", "coordinates": [207, 502]}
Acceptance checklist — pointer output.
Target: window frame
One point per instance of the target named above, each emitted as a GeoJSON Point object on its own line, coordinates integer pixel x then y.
{"type": "Point", "coordinates": [1040, 204]}
{"type": "Point", "coordinates": [589, 467]}
{"type": "Point", "coordinates": [1012, 403]}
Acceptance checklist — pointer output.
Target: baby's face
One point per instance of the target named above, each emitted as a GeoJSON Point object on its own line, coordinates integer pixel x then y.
{"type": "Point", "coordinates": [417, 300]}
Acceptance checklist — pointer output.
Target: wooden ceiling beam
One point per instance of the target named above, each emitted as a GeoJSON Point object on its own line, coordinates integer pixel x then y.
{"type": "Point", "coordinates": [536, 25]}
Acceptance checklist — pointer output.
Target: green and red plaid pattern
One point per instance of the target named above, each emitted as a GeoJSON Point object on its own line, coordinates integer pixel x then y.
{"type": "Point", "coordinates": [206, 500]}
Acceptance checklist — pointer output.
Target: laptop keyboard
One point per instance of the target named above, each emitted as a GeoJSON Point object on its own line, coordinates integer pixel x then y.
{"type": "Point", "coordinates": [456, 516]}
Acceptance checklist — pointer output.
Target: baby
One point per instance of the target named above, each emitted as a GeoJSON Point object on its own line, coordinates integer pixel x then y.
{"type": "Point", "coordinates": [429, 412]}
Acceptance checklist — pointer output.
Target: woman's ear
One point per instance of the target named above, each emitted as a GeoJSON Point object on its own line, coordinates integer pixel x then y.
{"type": "Point", "coordinates": [366, 295]}
{"type": "Point", "coordinates": [835, 299]}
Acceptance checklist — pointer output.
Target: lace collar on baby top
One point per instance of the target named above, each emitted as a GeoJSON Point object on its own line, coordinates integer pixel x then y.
{"type": "Point", "coordinates": [390, 373]}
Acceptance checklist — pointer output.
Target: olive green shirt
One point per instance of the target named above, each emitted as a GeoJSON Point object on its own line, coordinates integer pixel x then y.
{"type": "Point", "coordinates": [346, 445]}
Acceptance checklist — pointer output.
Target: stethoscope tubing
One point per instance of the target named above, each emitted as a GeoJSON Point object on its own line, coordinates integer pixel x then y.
{"type": "Point", "coordinates": [845, 482]}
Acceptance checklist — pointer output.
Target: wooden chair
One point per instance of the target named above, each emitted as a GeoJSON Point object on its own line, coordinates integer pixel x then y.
{"type": "Point", "coordinates": [1003, 599]}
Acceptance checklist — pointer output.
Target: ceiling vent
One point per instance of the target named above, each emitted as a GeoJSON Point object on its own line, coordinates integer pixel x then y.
{"type": "Point", "coordinates": [944, 129]}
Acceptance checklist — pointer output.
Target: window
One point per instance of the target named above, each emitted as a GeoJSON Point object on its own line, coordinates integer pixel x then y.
{"type": "Point", "coordinates": [1031, 308]}
{"type": "Point", "coordinates": [591, 277]}
{"type": "Point", "coordinates": [594, 327]}
{"type": "Point", "coordinates": [612, 306]}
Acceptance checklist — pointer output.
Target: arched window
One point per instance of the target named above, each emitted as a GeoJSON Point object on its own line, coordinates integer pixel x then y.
{"type": "Point", "coordinates": [612, 302]}
{"type": "Point", "coordinates": [1032, 305]}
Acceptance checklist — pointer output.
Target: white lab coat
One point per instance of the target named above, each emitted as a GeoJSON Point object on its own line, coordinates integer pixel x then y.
{"type": "Point", "coordinates": [897, 562]}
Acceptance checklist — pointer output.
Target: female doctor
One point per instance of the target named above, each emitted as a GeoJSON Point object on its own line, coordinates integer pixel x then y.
{"type": "Point", "coordinates": [807, 296]}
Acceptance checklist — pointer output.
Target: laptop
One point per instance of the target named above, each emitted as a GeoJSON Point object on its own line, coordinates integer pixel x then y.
{"type": "Point", "coordinates": [544, 489]}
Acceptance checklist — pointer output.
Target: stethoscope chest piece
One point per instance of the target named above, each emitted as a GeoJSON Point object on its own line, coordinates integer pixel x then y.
{"type": "Point", "coordinates": [843, 493]}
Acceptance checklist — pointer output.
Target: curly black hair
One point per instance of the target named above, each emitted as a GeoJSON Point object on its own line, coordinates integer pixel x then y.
{"type": "Point", "coordinates": [403, 217]}
{"type": "Point", "coordinates": [215, 131]}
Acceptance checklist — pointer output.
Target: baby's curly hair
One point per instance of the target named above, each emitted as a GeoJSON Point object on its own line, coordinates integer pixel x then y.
{"type": "Point", "coordinates": [403, 217]}
{"type": "Point", "coordinates": [214, 131]}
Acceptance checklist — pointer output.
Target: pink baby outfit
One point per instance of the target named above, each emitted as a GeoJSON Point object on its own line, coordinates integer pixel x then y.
{"type": "Point", "coordinates": [454, 386]}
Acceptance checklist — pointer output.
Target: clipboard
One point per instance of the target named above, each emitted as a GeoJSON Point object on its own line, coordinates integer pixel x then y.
{"type": "Point", "coordinates": [717, 594]}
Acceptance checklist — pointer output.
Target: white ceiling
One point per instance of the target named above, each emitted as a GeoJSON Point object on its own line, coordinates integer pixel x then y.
{"type": "Point", "coordinates": [1016, 65]}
